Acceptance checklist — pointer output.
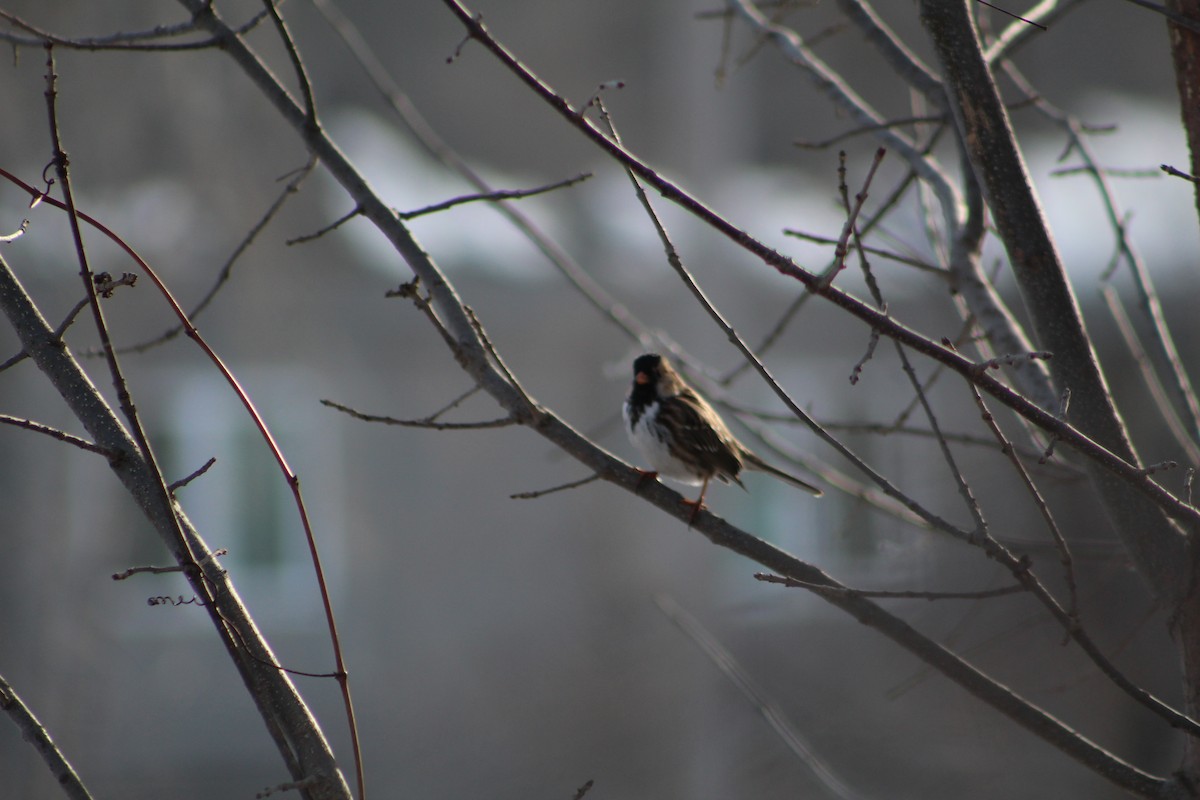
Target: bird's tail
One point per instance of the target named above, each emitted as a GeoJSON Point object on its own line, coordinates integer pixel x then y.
{"type": "Point", "coordinates": [754, 462]}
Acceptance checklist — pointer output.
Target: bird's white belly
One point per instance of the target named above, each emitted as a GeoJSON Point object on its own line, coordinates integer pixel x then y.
{"type": "Point", "coordinates": [645, 437]}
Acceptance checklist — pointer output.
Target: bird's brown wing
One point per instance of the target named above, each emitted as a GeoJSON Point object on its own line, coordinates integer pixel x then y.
{"type": "Point", "coordinates": [699, 437]}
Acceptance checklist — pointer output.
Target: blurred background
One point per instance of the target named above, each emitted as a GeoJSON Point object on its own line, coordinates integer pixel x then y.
{"type": "Point", "coordinates": [517, 648]}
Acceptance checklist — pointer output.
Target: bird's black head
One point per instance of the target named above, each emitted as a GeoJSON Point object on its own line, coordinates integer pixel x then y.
{"type": "Point", "coordinates": [647, 371]}
{"type": "Point", "coordinates": [646, 368]}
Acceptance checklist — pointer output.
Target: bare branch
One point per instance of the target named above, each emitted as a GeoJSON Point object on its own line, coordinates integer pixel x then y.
{"type": "Point", "coordinates": [330, 228]}
{"type": "Point", "coordinates": [179, 484]}
{"type": "Point", "coordinates": [924, 266]}
{"type": "Point", "coordinates": [144, 481]}
{"type": "Point", "coordinates": [793, 47]}
{"type": "Point", "coordinates": [562, 487]}
{"type": "Point", "coordinates": [770, 711]}
{"type": "Point", "coordinates": [306, 92]}
{"type": "Point", "coordinates": [1017, 34]}
{"type": "Point", "coordinates": [148, 570]}
{"type": "Point", "coordinates": [862, 130]}
{"type": "Point", "coordinates": [903, 60]}
{"type": "Point", "coordinates": [62, 436]}
{"type": "Point", "coordinates": [1014, 358]}
{"type": "Point", "coordinates": [17, 234]}
{"type": "Point", "coordinates": [1165, 408]}
{"type": "Point", "coordinates": [152, 570]}
{"type": "Point", "coordinates": [1064, 552]}
{"type": "Point", "coordinates": [852, 212]}
{"type": "Point", "coordinates": [428, 422]}
{"type": "Point", "coordinates": [106, 284]}
{"type": "Point", "coordinates": [33, 732]}
{"type": "Point", "coordinates": [592, 292]}
{"type": "Point", "coordinates": [134, 41]}
{"type": "Point", "coordinates": [226, 270]}
{"type": "Point", "coordinates": [1167, 168]}
{"type": "Point", "coordinates": [883, 594]}
{"type": "Point", "coordinates": [494, 196]}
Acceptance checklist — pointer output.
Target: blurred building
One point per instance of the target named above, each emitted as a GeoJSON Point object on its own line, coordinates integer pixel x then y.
{"type": "Point", "coordinates": [517, 648]}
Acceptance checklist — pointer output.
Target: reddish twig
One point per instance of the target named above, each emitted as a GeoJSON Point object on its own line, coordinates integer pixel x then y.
{"type": "Point", "coordinates": [290, 476]}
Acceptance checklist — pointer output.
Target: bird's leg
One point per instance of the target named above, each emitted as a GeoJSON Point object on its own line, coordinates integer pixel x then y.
{"type": "Point", "coordinates": [698, 503]}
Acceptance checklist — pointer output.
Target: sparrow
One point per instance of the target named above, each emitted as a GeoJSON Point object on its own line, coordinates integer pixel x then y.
{"type": "Point", "coordinates": [682, 437]}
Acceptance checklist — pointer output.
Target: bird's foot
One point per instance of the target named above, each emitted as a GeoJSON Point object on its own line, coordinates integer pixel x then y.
{"type": "Point", "coordinates": [697, 506]}
{"type": "Point", "coordinates": [644, 475]}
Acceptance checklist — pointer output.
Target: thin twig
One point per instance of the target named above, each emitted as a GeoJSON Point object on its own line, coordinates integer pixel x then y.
{"type": "Point", "coordinates": [1060, 542]}
{"type": "Point", "coordinates": [179, 484]}
{"type": "Point", "coordinates": [856, 370]}
{"type": "Point", "coordinates": [531, 407]}
{"type": "Point", "coordinates": [881, 429]}
{"type": "Point", "coordinates": [59, 332]}
{"type": "Point", "coordinates": [428, 422]}
{"type": "Point", "coordinates": [672, 253]}
{"type": "Point", "coordinates": [1112, 172]}
{"type": "Point", "coordinates": [306, 91]}
{"type": "Point", "coordinates": [1014, 358]}
{"type": "Point", "coordinates": [1167, 168]}
{"type": "Point", "coordinates": [865, 129]}
{"type": "Point", "coordinates": [1158, 393]}
{"type": "Point", "coordinates": [839, 252]}
{"type": "Point", "coordinates": [851, 230]}
{"type": "Point", "coordinates": [455, 403]}
{"type": "Point", "coordinates": [330, 228]}
{"type": "Point", "coordinates": [147, 570]}
{"type": "Point", "coordinates": [134, 41]}
{"type": "Point", "coordinates": [794, 48]}
{"type": "Point", "coordinates": [899, 258]}
{"type": "Point", "coordinates": [981, 534]}
{"type": "Point", "coordinates": [1064, 404]}
{"type": "Point", "coordinates": [494, 196]}
{"type": "Point", "coordinates": [978, 594]}
{"type": "Point", "coordinates": [226, 270]}
{"type": "Point", "coordinates": [17, 234]}
{"type": "Point", "coordinates": [794, 309]}
{"type": "Point", "coordinates": [963, 336]}
{"type": "Point", "coordinates": [770, 711]}
{"type": "Point", "coordinates": [62, 436]}
{"type": "Point", "coordinates": [561, 487]}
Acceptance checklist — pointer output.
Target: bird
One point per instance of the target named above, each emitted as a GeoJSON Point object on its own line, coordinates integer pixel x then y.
{"type": "Point", "coordinates": [683, 437]}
